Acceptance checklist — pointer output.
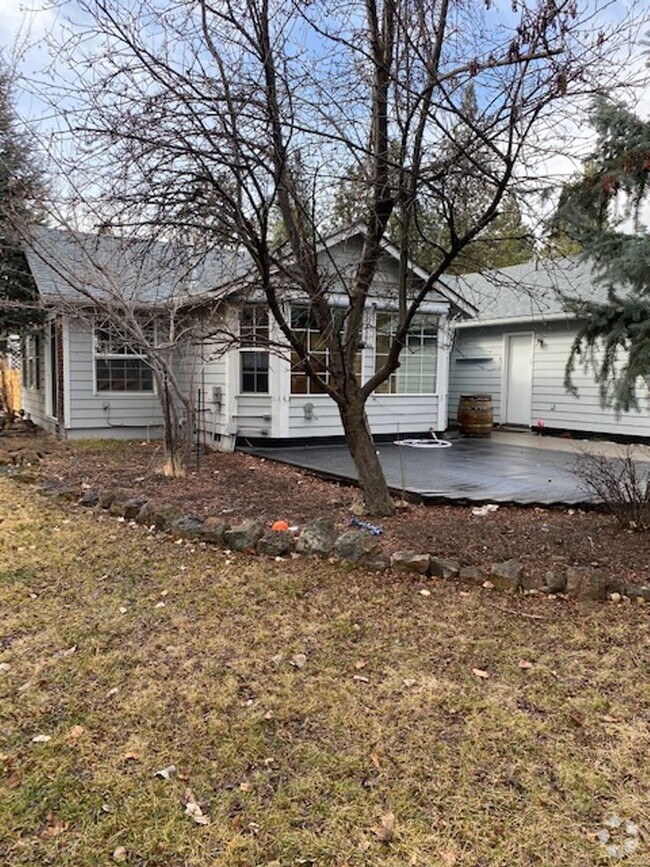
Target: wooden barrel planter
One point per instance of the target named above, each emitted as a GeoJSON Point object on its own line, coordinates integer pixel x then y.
{"type": "Point", "coordinates": [475, 415]}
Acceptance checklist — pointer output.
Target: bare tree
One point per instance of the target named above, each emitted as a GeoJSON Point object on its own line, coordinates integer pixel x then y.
{"type": "Point", "coordinates": [221, 121]}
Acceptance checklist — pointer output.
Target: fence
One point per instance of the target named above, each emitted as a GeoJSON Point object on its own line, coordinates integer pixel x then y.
{"type": "Point", "coordinates": [10, 396]}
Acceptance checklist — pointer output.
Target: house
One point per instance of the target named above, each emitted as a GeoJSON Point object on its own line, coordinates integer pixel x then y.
{"type": "Point", "coordinates": [80, 380]}
{"type": "Point", "coordinates": [517, 347]}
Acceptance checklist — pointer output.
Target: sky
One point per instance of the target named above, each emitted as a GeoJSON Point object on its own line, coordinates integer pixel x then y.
{"type": "Point", "coordinates": [25, 25]}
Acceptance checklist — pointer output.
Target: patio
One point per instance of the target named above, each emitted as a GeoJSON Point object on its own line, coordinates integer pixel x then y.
{"type": "Point", "coordinates": [506, 468]}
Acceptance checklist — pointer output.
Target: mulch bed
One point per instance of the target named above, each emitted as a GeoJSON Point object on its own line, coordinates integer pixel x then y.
{"type": "Point", "coordinates": [239, 486]}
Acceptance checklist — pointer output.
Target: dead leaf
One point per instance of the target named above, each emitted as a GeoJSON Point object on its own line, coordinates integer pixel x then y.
{"type": "Point", "coordinates": [409, 682]}
{"type": "Point", "coordinates": [524, 663]}
{"type": "Point", "coordinates": [75, 733]}
{"type": "Point", "coordinates": [360, 663]}
{"type": "Point", "coordinates": [480, 672]}
{"type": "Point", "coordinates": [609, 719]}
{"type": "Point", "coordinates": [131, 757]}
{"type": "Point", "coordinates": [385, 831]}
{"type": "Point", "coordinates": [120, 855]}
{"type": "Point", "coordinates": [194, 810]}
{"type": "Point", "coordinates": [374, 758]}
{"type": "Point", "coordinates": [55, 826]}
{"type": "Point", "coordinates": [577, 718]}
{"type": "Point", "coordinates": [448, 858]}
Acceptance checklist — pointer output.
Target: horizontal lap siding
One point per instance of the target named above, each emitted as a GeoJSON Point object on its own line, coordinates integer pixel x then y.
{"type": "Point", "coordinates": [33, 400]}
{"type": "Point", "coordinates": [254, 415]}
{"type": "Point", "coordinates": [551, 402]}
{"type": "Point", "coordinates": [560, 409]}
{"type": "Point", "coordinates": [482, 377]}
{"type": "Point", "coordinates": [388, 414]}
{"type": "Point", "coordinates": [135, 411]}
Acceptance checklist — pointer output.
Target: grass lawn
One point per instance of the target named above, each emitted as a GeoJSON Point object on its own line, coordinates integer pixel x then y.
{"type": "Point", "coordinates": [315, 716]}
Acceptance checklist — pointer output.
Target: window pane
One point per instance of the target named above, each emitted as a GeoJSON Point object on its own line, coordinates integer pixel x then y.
{"type": "Point", "coordinates": [254, 372]}
{"type": "Point", "coordinates": [123, 374]}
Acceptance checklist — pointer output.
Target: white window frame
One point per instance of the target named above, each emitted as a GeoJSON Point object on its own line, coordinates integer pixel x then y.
{"type": "Point", "coordinates": [295, 371]}
{"type": "Point", "coordinates": [109, 356]}
{"type": "Point", "coordinates": [31, 370]}
{"type": "Point", "coordinates": [254, 340]}
{"type": "Point", "coordinates": [416, 330]}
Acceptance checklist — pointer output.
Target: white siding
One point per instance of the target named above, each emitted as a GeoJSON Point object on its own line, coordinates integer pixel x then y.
{"type": "Point", "coordinates": [476, 367]}
{"type": "Point", "coordinates": [33, 400]}
{"type": "Point", "coordinates": [105, 414]}
{"type": "Point", "coordinates": [387, 414]}
{"type": "Point", "coordinates": [551, 402]}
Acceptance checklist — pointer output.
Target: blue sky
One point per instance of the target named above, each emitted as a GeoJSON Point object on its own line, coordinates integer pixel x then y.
{"type": "Point", "coordinates": [26, 24]}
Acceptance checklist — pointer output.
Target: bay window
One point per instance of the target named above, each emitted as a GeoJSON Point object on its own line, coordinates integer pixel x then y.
{"type": "Point", "coordinates": [417, 373]}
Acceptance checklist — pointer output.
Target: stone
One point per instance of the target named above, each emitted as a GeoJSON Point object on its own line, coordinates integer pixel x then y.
{"type": "Point", "coordinates": [615, 597]}
{"type": "Point", "coordinates": [634, 591]}
{"type": "Point", "coordinates": [554, 582]}
{"type": "Point", "coordinates": [507, 575]}
{"type": "Point", "coordinates": [409, 561]}
{"type": "Point", "coordinates": [317, 537]}
{"type": "Point", "coordinates": [89, 499]}
{"type": "Point", "coordinates": [355, 546]}
{"type": "Point", "coordinates": [442, 567]}
{"type": "Point", "coordinates": [585, 583]}
{"type": "Point", "coordinates": [160, 516]}
{"type": "Point", "coordinates": [276, 543]}
{"type": "Point", "coordinates": [214, 530]}
{"type": "Point", "coordinates": [472, 574]}
{"type": "Point", "coordinates": [128, 509]}
{"type": "Point", "coordinates": [186, 527]}
{"type": "Point", "coordinates": [116, 508]}
{"type": "Point", "coordinates": [107, 498]}
{"type": "Point", "coordinates": [244, 536]}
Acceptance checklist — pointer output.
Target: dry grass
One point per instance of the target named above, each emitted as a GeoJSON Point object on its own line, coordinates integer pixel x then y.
{"type": "Point", "coordinates": [298, 765]}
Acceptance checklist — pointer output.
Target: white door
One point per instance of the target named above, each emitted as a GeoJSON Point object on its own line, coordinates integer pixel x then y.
{"type": "Point", "coordinates": [518, 390]}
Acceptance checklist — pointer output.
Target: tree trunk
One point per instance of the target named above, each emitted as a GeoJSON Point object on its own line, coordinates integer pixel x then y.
{"type": "Point", "coordinates": [362, 448]}
{"type": "Point", "coordinates": [174, 466]}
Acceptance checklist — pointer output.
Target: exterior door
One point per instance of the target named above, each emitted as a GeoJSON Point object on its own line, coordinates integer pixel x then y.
{"type": "Point", "coordinates": [518, 386]}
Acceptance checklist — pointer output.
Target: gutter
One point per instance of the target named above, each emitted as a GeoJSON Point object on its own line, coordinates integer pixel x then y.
{"type": "Point", "coordinates": [515, 320]}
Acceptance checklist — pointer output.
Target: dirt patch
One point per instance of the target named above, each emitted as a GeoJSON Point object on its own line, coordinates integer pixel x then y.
{"type": "Point", "coordinates": [238, 486]}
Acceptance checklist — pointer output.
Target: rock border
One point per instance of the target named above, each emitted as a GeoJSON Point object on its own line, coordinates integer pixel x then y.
{"type": "Point", "coordinates": [354, 548]}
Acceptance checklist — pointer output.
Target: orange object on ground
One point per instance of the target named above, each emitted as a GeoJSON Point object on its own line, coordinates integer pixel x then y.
{"type": "Point", "coordinates": [280, 525]}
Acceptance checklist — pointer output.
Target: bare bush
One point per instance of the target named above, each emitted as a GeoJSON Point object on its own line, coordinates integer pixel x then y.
{"type": "Point", "coordinates": [622, 484]}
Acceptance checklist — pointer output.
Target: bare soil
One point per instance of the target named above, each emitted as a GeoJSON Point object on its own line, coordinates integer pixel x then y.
{"type": "Point", "coordinates": [239, 486]}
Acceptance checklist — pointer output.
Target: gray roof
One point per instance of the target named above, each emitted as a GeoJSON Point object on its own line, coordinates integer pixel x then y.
{"type": "Point", "coordinates": [532, 290]}
{"type": "Point", "coordinates": [75, 267]}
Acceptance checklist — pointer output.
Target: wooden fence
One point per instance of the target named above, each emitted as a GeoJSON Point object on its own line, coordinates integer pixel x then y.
{"type": "Point", "coordinates": [9, 389]}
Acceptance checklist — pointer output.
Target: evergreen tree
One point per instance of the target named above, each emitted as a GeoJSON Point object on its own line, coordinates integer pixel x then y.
{"type": "Point", "coordinates": [601, 211]}
{"type": "Point", "coordinates": [450, 205]}
{"type": "Point", "coordinates": [20, 189]}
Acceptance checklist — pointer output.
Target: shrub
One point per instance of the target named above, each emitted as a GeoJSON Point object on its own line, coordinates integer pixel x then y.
{"type": "Point", "coordinates": [622, 484]}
